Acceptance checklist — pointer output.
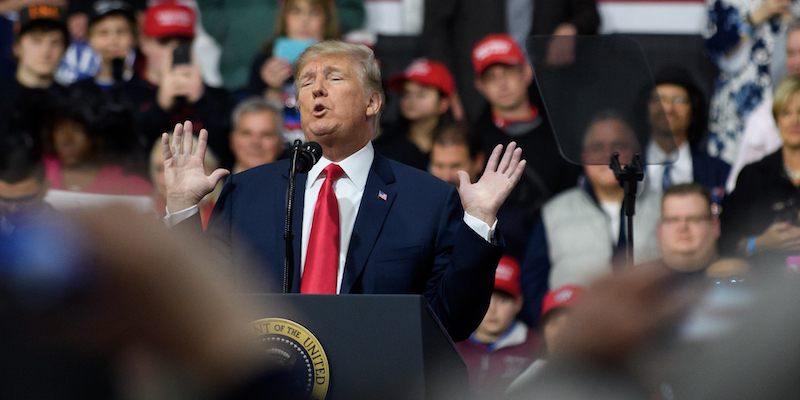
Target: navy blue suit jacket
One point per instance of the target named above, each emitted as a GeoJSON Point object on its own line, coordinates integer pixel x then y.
{"type": "Point", "coordinates": [413, 242]}
{"type": "Point", "coordinates": [710, 172]}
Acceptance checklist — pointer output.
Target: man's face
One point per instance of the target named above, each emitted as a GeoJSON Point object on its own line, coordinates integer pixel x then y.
{"type": "Point", "coordinates": [503, 309]}
{"type": "Point", "coordinates": [505, 86]}
{"type": "Point", "coordinates": [447, 160]}
{"type": "Point", "coordinates": [24, 197]}
{"type": "Point", "coordinates": [602, 140]}
{"type": "Point", "coordinates": [256, 140]}
{"type": "Point", "coordinates": [111, 37]}
{"type": "Point", "coordinates": [687, 233]}
{"type": "Point", "coordinates": [793, 52]}
{"type": "Point", "coordinates": [334, 110]}
{"type": "Point", "coordinates": [40, 52]}
{"type": "Point", "coordinates": [158, 51]}
{"type": "Point", "coordinates": [677, 106]}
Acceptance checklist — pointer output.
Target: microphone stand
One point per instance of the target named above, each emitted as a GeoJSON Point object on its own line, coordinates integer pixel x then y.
{"type": "Point", "coordinates": [288, 236]}
{"type": "Point", "coordinates": [628, 178]}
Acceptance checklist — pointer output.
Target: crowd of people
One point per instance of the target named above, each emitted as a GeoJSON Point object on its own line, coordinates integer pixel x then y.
{"type": "Point", "coordinates": [97, 89]}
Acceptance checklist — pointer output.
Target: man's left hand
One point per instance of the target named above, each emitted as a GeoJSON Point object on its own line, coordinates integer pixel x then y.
{"type": "Point", "coordinates": [483, 198]}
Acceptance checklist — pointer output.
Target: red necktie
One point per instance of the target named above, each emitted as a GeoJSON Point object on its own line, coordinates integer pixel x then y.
{"type": "Point", "coordinates": [322, 256]}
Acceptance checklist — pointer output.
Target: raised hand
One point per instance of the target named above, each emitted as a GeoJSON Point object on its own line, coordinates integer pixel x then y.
{"type": "Point", "coordinates": [184, 174]}
{"type": "Point", "coordinates": [483, 198]}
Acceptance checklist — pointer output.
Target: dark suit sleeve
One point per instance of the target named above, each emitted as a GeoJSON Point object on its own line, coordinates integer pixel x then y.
{"type": "Point", "coordinates": [534, 274]}
{"type": "Point", "coordinates": [462, 281]}
{"type": "Point", "coordinates": [219, 232]}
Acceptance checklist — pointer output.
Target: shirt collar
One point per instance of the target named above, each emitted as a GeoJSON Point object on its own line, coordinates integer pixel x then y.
{"type": "Point", "coordinates": [656, 155]}
{"type": "Point", "coordinates": [356, 167]}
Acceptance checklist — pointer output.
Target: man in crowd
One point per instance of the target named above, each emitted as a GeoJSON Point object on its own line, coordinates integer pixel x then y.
{"type": "Point", "coordinates": [356, 233]}
{"type": "Point", "coordinates": [504, 77]}
{"type": "Point", "coordinates": [38, 47]}
{"type": "Point", "coordinates": [256, 138]}
{"type": "Point", "coordinates": [678, 106]}
{"type": "Point", "coordinates": [582, 232]}
{"type": "Point", "coordinates": [453, 151]}
{"type": "Point", "coordinates": [502, 346]}
{"type": "Point", "coordinates": [176, 88]}
{"type": "Point", "coordinates": [688, 231]}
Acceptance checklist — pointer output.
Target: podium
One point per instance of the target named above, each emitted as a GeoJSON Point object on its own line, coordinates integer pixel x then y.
{"type": "Point", "coordinates": [378, 346]}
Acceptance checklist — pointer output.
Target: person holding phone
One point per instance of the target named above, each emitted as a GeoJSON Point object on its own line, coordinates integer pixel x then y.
{"type": "Point", "coordinates": [174, 78]}
{"type": "Point", "coordinates": [301, 23]}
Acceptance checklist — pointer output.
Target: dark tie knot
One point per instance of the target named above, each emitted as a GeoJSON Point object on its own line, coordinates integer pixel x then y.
{"type": "Point", "coordinates": [333, 172]}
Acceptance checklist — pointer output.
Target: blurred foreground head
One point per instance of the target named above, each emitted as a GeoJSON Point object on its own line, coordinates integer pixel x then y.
{"type": "Point", "coordinates": [85, 297]}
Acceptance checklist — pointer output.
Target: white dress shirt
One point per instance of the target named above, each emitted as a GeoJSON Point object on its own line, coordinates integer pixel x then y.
{"type": "Point", "coordinates": [349, 190]}
{"type": "Point", "coordinates": [682, 169]}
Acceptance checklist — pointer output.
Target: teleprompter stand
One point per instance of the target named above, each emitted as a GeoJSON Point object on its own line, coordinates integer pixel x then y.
{"type": "Point", "coordinates": [628, 178]}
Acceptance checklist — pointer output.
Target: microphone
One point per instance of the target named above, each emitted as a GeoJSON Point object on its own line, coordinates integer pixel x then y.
{"type": "Point", "coordinates": [304, 156]}
{"type": "Point", "coordinates": [308, 155]}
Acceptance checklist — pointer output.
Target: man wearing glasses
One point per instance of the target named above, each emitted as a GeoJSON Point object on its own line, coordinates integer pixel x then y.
{"type": "Point", "coordinates": [688, 231]}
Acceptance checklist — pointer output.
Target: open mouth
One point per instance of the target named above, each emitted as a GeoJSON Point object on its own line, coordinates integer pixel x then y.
{"type": "Point", "coordinates": [319, 109]}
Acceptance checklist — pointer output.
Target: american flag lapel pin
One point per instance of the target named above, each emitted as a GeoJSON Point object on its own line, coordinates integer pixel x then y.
{"type": "Point", "coordinates": [382, 195]}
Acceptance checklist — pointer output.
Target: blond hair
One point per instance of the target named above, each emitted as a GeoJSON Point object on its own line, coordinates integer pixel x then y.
{"type": "Point", "coordinates": [788, 87]}
{"type": "Point", "coordinates": [367, 67]}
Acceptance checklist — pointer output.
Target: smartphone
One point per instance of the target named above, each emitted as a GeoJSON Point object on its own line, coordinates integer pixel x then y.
{"type": "Point", "coordinates": [182, 55]}
{"type": "Point", "coordinates": [289, 49]}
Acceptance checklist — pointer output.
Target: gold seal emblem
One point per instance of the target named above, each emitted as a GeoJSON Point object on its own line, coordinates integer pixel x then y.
{"type": "Point", "coordinates": [295, 352]}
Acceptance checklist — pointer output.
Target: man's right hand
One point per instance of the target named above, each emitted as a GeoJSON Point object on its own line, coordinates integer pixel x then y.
{"type": "Point", "coordinates": [184, 173]}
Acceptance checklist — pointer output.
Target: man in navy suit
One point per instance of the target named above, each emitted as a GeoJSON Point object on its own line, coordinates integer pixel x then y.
{"type": "Point", "coordinates": [401, 230]}
{"type": "Point", "coordinates": [679, 104]}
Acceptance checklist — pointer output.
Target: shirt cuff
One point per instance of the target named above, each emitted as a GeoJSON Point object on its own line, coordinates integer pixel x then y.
{"type": "Point", "coordinates": [176, 218]}
{"type": "Point", "coordinates": [481, 228]}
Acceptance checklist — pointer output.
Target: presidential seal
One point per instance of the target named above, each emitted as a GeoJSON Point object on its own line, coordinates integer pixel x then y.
{"type": "Point", "coordinates": [296, 353]}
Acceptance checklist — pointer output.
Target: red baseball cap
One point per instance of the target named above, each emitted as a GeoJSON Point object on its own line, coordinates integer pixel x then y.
{"type": "Point", "coordinates": [497, 48]}
{"type": "Point", "coordinates": [168, 20]}
{"type": "Point", "coordinates": [427, 73]}
{"type": "Point", "coordinates": [565, 296]}
{"type": "Point", "coordinates": [506, 276]}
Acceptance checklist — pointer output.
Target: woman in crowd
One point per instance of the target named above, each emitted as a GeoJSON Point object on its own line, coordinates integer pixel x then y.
{"type": "Point", "coordinates": [741, 42]}
{"type": "Point", "coordinates": [761, 215]}
{"type": "Point", "coordinates": [427, 89]}
{"type": "Point", "coordinates": [79, 154]}
{"type": "Point", "coordinates": [301, 23]}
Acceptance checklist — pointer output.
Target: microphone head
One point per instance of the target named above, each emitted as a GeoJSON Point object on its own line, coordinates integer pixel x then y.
{"type": "Point", "coordinates": [314, 149]}
{"type": "Point", "coordinates": [307, 155]}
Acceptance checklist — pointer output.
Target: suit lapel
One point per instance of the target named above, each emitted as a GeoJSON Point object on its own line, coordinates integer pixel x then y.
{"type": "Point", "coordinates": [297, 224]}
{"type": "Point", "coordinates": [379, 194]}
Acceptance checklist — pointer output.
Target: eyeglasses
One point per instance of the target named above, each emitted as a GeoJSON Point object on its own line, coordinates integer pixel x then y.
{"type": "Point", "coordinates": [689, 219]}
{"type": "Point", "coordinates": [681, 100]}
